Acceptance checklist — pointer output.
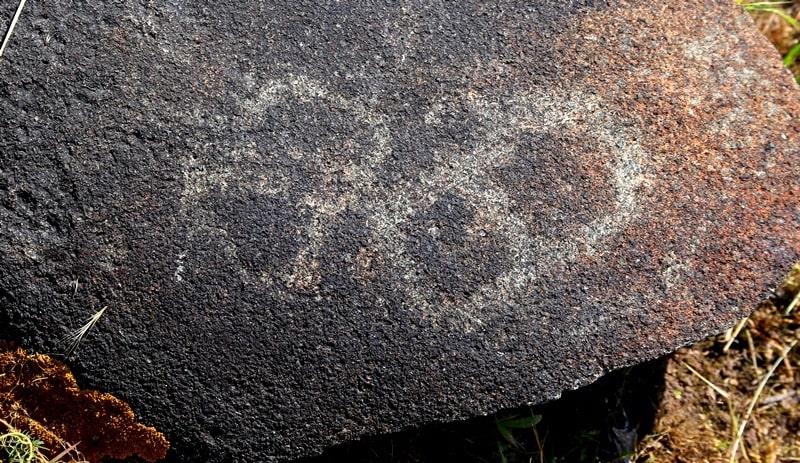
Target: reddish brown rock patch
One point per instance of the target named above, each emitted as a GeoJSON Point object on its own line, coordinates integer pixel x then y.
{"type": "Point", "coordinates": [40, 395]}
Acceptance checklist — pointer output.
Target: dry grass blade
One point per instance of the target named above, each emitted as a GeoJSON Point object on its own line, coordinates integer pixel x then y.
{"type": "Point", "coordinates": [737, 441]}
{"type": "Point", "coordinates": [728, 401]}
{"type": "Point", "coordinates": [11, 27]}
{"type": "Point", "coordinates": [66, 452]}
{"type": "Point", "coordinates": [778, 398]}
{"type": "Point", "coordinates": [735, 333]}
{"type": "Point", "coordinates": [77, 336]}
{"type": "Point", "coordinates": [792, 305]}
{"type": "Point", "coordinates": [719, 390]}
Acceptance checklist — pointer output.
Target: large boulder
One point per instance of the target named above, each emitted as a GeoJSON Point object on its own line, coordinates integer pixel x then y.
{"type": "Point", "coordinates": [313, 221]}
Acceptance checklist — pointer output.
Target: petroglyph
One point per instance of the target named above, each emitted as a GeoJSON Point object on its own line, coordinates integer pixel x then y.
{"type": "Point", "coordinates": [478, 224]}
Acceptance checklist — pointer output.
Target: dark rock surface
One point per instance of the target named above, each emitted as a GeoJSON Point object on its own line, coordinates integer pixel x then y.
{"type": "Point", "coordinates": [312, 221]}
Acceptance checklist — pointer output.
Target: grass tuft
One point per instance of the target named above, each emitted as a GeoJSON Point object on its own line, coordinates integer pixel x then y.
{"type": "Point", "coordinates": [20, 447]}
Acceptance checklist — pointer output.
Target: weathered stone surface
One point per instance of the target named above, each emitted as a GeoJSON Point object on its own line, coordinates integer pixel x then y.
{"type": "Point", "coordinates": [314, 221]}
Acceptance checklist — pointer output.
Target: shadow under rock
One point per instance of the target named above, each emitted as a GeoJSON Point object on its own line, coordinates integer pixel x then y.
{"type": "Point", "coordinates": [597, 423]}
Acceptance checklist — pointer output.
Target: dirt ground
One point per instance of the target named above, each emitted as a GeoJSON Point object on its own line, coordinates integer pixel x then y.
{"type": "Point", "coordinates": [735, 397]}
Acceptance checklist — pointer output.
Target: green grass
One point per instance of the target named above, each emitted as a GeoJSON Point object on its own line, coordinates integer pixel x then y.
{"type": "Point", "coordinates": [506, 427]}
{"type": "Point", "coordinates": [791, 57]}
{"type": "Point", "coordinates": [20, 447]}
{"type": "Point", "coordinates": [770, 7]}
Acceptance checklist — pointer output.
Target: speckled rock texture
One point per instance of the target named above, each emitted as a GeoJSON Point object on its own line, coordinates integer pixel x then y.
{"type": "Point", "coordinates": [314, 221]}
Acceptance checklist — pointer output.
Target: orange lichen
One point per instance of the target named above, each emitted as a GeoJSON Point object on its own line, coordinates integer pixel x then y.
{"type": "Point", "coordinates": [39, 395]}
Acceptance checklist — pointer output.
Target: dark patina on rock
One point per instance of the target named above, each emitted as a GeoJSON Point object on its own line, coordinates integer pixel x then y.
{"type": "Point", "coordinates": [314, 221]}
